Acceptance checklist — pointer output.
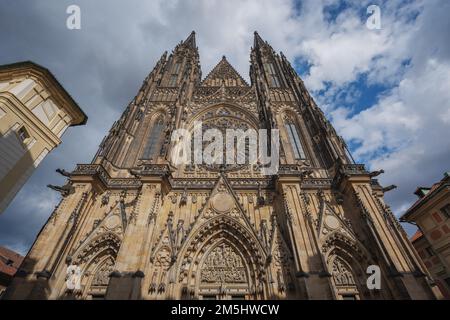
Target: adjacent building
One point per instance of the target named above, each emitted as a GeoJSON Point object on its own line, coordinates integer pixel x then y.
{"type": "Point", "coordinates": [136, 225]}
{"type": "Point", "coordinates": [9, 264]}
{"type": "Point", "coordinates": [35, 111]}
{"type": "Point", "coordinates": [431, 214]}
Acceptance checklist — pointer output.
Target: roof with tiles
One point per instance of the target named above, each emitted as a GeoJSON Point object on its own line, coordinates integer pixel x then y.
{"type": "Point", "coordinates": [425, 194]}
{"type": "Point", "coordinates": [418, 235]}
{"type": "Point", "coordinates": [9, 261]}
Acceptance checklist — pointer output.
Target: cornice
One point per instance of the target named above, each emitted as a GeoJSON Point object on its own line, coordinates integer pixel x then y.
{"type": "Point", "coordinates": [50, 83]}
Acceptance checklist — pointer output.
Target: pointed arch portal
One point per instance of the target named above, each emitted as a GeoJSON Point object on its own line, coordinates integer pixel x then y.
{"type": "Point", "coordinates": [97, 260]}
{"type": "Point", "coordinates": [223, 261]}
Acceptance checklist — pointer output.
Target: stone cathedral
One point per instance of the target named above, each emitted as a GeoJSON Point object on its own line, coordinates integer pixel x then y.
{"type": "Point", "coordinates": [131, 225]}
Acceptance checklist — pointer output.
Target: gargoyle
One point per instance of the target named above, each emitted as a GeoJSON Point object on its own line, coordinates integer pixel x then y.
{"type": "Point", "coordinates": [305, 173]}
{"type": "Point", "coordinates": [389, 188]}
{"type": "Point", "coordinates": [63, 172]}
{"type": "Point", "coordinates": [376, 173]}
{"type": "Point", "coordinates": [65, 190]}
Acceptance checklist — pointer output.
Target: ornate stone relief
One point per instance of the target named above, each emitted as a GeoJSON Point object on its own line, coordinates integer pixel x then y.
{"type": "Point", "coordinates": [341, 273]}
{"type": "Point", "coordinates": [101, 277]}
{"type": "Point", "coordinates": [163, 258]}
{"type": "Point", "coordinates": [223, 265]}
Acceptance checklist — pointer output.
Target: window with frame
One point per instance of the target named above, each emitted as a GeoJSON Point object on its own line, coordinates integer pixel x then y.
{"type": "Point", "coordinates": [23, 134]}
{"type": "Point", "coordinates": [174, 74]}
{"type": "Point", "coordinates": [430, 251]}
{"type": "Point", "coordinates": [446, 210]}
{"type": "Point", "coordinates": [273, 76]}
{"type": "Point", "coordinates": [150, 150]}
{"type": "Point", "coordinates": [294, 139]}
{"type": "Point", "coordinates": [447, 281]}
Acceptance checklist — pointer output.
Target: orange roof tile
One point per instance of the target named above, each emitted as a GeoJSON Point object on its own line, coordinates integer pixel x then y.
{"type": "Point", "coordinates": [416, 236]}
{"type": "Point", "coordinates": [9, 261]}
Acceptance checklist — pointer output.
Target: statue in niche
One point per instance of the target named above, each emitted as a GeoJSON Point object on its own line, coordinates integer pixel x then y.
{"type": "Point", "coordinates": [73, 278]}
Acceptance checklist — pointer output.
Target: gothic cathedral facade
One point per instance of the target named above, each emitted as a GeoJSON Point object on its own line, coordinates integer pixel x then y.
{"type": "Point", "coordinates": [133, 226]}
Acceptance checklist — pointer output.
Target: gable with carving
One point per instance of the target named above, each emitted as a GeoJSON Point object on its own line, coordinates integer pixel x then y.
{"type": "Point", "coordinates": [224, 73]}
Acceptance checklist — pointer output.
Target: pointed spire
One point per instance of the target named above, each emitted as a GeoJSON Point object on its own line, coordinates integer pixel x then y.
{"type": "Point", "coordinates": [190, 41]}
{"type": "Point", "coordinates": [258, 41]}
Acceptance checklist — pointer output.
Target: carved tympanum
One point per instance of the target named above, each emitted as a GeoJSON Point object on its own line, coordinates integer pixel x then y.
{"type": "Point", "coordinates": [342, 274]}
{"type": "Point", "coordinates": [223, 265]}
{"type": "Point", "coordinates": [101, 277]}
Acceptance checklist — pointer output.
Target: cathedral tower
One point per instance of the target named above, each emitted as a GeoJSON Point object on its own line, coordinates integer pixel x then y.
{"type": "Point", "coordinates": [134, 226]}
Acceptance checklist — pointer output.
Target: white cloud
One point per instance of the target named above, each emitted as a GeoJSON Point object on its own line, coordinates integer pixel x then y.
{"type": "Point", "coordinates": [411, 121]}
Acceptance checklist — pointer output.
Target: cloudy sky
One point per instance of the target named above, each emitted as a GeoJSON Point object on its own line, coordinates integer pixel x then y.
{"type": "Point", "coordinates": [386, 91]}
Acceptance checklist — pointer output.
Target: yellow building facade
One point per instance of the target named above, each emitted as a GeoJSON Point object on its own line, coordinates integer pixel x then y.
{"type": "Point", "coordinates": [431, 214]}
{"type": "Point", "coordinates": [35, 111]}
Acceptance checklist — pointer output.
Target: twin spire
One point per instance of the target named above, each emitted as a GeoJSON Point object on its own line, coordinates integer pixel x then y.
{"type": "Point", "coordinates": [223, 73]}
{"type": "Point", "coordinates": [257, 41]}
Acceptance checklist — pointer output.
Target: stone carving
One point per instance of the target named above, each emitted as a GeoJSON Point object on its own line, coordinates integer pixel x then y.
{"type": "Point", "coordinates": [223, 265]}
{"type": "Point", "coordinates": [222, 123]}
{"type": "Point", "coordinates": [163, 258]}
{"type": "Point", "coordinates": [224, 73]}
{"type": "Point", "coordinates": [65, 190]}
{"type": "Point", "coordinates": [101, 277]}
{"type": "Point", "coordinates": [280, 254]}
{"type": "Point", "coordinates": [107, 242]}
{"type": "Point", "coordinates": [105, 198]}
{"type": "Point", "coordinates": [119, 183]}
{"type": "Point", "coordinates": [222, 202]}
{"type": "Point", "coordinates": [112, 222]}
{"type": "Point", "coordinates": [341, 274]}
{"type": "Point", "coordinates": [73, 277]}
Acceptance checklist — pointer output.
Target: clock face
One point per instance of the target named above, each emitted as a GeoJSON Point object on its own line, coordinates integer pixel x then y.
{"type": "Point", "coordinates": [332, 222]}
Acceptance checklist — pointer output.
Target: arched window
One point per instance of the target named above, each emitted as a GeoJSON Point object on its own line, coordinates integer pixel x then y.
{"type": "Point", "coordinates": [174, 74]}
{"type": "Point", "coordinates": [294, 139]}
{"type": "Point", "coordinates": [273, 77]}
{"type": "Point", "coordinates": [344, 280]}
{"type": "Point", "coordinates": [100, 280]}
{"type": "Point", "coordinates": [153, 139]}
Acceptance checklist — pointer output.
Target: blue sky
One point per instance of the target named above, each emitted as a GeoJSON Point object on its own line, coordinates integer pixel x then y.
{"type": "Point", "coordinates": [385, 91]}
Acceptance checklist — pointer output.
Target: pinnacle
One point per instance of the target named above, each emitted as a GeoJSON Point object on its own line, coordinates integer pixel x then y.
{"type": "Point", "coordinates": [190, 40]}
{"type": "Point", "coordinates": [258, 41]}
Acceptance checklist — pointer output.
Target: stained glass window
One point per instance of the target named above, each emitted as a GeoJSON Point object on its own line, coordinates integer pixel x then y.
{"type": "Point", "coordinates": [174, 75]}
{"type": "Point", "coordinates": [273, 77]}
{"type": "Point", "coordinates": [153, 139]}
{"type": "Point", "coordinates": [294, 139]}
